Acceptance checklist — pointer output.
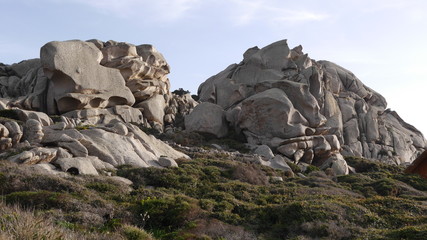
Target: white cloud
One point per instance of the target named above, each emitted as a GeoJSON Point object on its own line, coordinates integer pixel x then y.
{"type": "Point", "coordinates": [272, 12]}
{"type": "Point", "coordinates": [243, 12]}
{"type": "Point", "coordinates": [143, 10]}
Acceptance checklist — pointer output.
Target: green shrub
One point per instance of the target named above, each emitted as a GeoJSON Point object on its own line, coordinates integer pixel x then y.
{"type": "Point", "coordinates": [84, 127]}
{"type": "Point", "coordinates": [134, 233]}
{"type": "Point", "coordinates": [165, 213]}
{"type": "Point", "coordinates": [414, 180]}
{"type": "Point", "coordinates": [408, 233]}
{"type": "Point", "coordinates": [311, 168]}
{"type": "Point", "coordinates": [38, 200]}
{"type": "Point", "coordinates": [102, 187]}
{"type": "Point", "coordinates": [385, 187]}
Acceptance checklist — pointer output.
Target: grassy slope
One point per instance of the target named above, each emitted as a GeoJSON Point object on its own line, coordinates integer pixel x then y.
{"type": "Point", "coordinates": [214, 197]}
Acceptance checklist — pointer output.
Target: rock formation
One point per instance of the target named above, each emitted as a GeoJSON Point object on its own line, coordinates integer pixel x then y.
{"type": "Point", "coordinates": [77, 107]}
{"type": "Point", "coordinates": [81, 78]}
{"type": "Point", "coordinates": [308, 111]}
{"type": "Point", "coordinates": [102, 91]}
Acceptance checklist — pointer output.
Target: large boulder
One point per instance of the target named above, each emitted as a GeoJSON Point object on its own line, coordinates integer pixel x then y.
{"type": "Point", "coordinates": [308, 110]}
{"type": "Point", "coordinates": [207, 118]}
{"type": "Point", "coordinates": [78, 81]}
{"type": "Point", "coordinates": [271, 114]}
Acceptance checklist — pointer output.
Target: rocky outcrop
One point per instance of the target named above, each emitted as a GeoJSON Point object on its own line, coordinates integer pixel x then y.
{"type": "Point", "coordinates": [309, 111]}
{"type": "Point", "coordinates": [85, 151]}
{"type": "Point", "coordinates": [78, 81]}
{"type": "Point", "coordinates": [94, 79]}
{"type": "Point", "coordinates": [97, 93]}
{"type": "Point", "coordinates": [207, 118]}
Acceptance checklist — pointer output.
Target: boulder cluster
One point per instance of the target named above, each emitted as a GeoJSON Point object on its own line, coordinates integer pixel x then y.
{"type": "Point", "coordinates": [305, 110]}
{"type": "Point", "coordinates": [86, 80]}
{"type": "Point", "coordinates": [97, 93]}
{"type": "Point", "coordinates": [81, 107]}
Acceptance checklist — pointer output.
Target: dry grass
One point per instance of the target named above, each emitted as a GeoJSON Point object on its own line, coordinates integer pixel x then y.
{"type": "Point", "coordinates": [16, 223]}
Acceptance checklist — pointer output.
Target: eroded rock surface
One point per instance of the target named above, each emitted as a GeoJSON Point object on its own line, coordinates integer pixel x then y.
{"type": "Point", "coordinates": [309, 111]}
{"type": "Point", "coordinates": [90, 76]}
{"type": "Point", "coordinates": [99, 94]}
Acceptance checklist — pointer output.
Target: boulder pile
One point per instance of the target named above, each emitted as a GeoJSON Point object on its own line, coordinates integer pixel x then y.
{"type": "Point", "coordinates": [305, 110]}
{"type": "Point", "coordinates": [81, 107]}
{"type": "Point", "coordinates": [77, 108]}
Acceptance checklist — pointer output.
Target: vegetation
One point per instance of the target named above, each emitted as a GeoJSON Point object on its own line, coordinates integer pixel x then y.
{"type": "Point", "coordinates": [213, 197]}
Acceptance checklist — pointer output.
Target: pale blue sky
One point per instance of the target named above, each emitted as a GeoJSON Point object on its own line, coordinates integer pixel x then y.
{"type": "Point", "coordinates": [382, 41]}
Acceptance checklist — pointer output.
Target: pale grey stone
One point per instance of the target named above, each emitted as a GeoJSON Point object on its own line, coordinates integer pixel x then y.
{"type": "Point", "coordinates": [33, 131]}
{"type": "Point", "coordinates": [154, 108]}
{"type": "Point", "coordinates": [34, 156]}
{"type": "Point", "coordinates": [41, 117]}
{"type": "Point", "coordinates": [5, 143]}
{"type": "Point", "coordinates": [207, 118]}
{"type": "Point", "coordinates": [78, 166]}
{"type": "Point", "coordinates": [271, 113]}
{"type": "Point", "coordinates": [120, 128]}
{"type": "Point", "coordinates": [154, 145]}
{"type": "Point", "coordinates": [73, 65]}
{"type": "Point", "coordinates": [278, 162]}
{"type": "Point", "coordinates": [264, 151]}
{"type": "Point", "coordinates": [167, 162]}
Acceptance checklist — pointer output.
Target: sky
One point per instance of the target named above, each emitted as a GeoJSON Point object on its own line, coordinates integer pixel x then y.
{"type": "Point", "coordinates": [383, 42]}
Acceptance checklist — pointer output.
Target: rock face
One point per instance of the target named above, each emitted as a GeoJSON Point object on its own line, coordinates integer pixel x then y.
{"type": "Point", "coordinates": [309, 111]}
{"type": "Point", "coordinates": [85, 77]}
{"type": "Point", "coordinates": [207, 118]}
{"type": "Point", "coordinates": [102, 92]}
{"type": "Point", "coordinates": [78, 81]}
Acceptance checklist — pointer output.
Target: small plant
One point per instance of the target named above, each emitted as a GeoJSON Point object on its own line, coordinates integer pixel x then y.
{"type": "Point", "coordinates": [84, 127]}
{"type": "Point", "coordinates": [134, 233]}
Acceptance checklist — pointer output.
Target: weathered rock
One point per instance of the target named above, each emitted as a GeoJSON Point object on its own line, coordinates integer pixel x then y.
{"type": "Point", "coordinates": [34, 156]}
{"type": "Point", "coordinates": [264, 151]}
{"type": "Point", "coordinates": [120, 128]}
{"type": "Point", "coordinates": [5, 143]}
{"type": "Point", "coordinates": [167, 162]}
{"type": "Point", "coordinates": [33, 131]}
{"type": "Point", "coordinates": [154, 145]}
{"type": "Point", "coordinates": [117, 149]}
{"type": "Point", "coordinates": [78, 81]}
{"type": "Point", "coordinates": [4, 132]}
{"type": "Point", "coordinates": [337, 163]}
{"type": "Point", "coordinates": [276, 94]}
{"type": "Point", "coordinates": [207, 118]}
{"type": "Point", "coordinates": [41, 117]}
{"type": "Point", "coordinates": [154, 108]}
{"type": "Point", "coordinates": [271, 114]}
{"type": "Point", "coordinates": [278, 162]}
{"type": "Point", "coordinates": [46, 168]}
{"type": "Point", "coordinates": [180, 105]}
{"type": "Point", "coordinates": [77, 166]}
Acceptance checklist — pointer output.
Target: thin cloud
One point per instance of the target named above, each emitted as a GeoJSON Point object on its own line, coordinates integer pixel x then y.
{"type": "Point", "coordinates": [143, 10]}
{"type": "Point", "coordinates": [273, 12]}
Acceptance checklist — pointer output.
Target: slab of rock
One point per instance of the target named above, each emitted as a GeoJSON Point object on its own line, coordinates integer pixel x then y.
{"type": "Point", "coordinates": [41, 117]}
{"type": "Point", "coordinates": [207, 118]}
{"type": "Point", "coordinates": [116, 149]}
{"type": "Point", "coordinates": [34, 156]}
{"type": "Point", "coordinates": [77, 166]}
{"type": "Point", "coordinates": [264, 151]}
{"type": "Point", "coordinates": [78, 81]}
{"type": "Point", "coordinates": [154, 145]}
{"type": "Point", "coordinates": [167, 162]}
{"type": "Point", "coordinates": [271, 114]}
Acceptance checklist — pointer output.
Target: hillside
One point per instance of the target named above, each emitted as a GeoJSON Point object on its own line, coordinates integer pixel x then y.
{"type": "Point", "coordinates": [214, 196]}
